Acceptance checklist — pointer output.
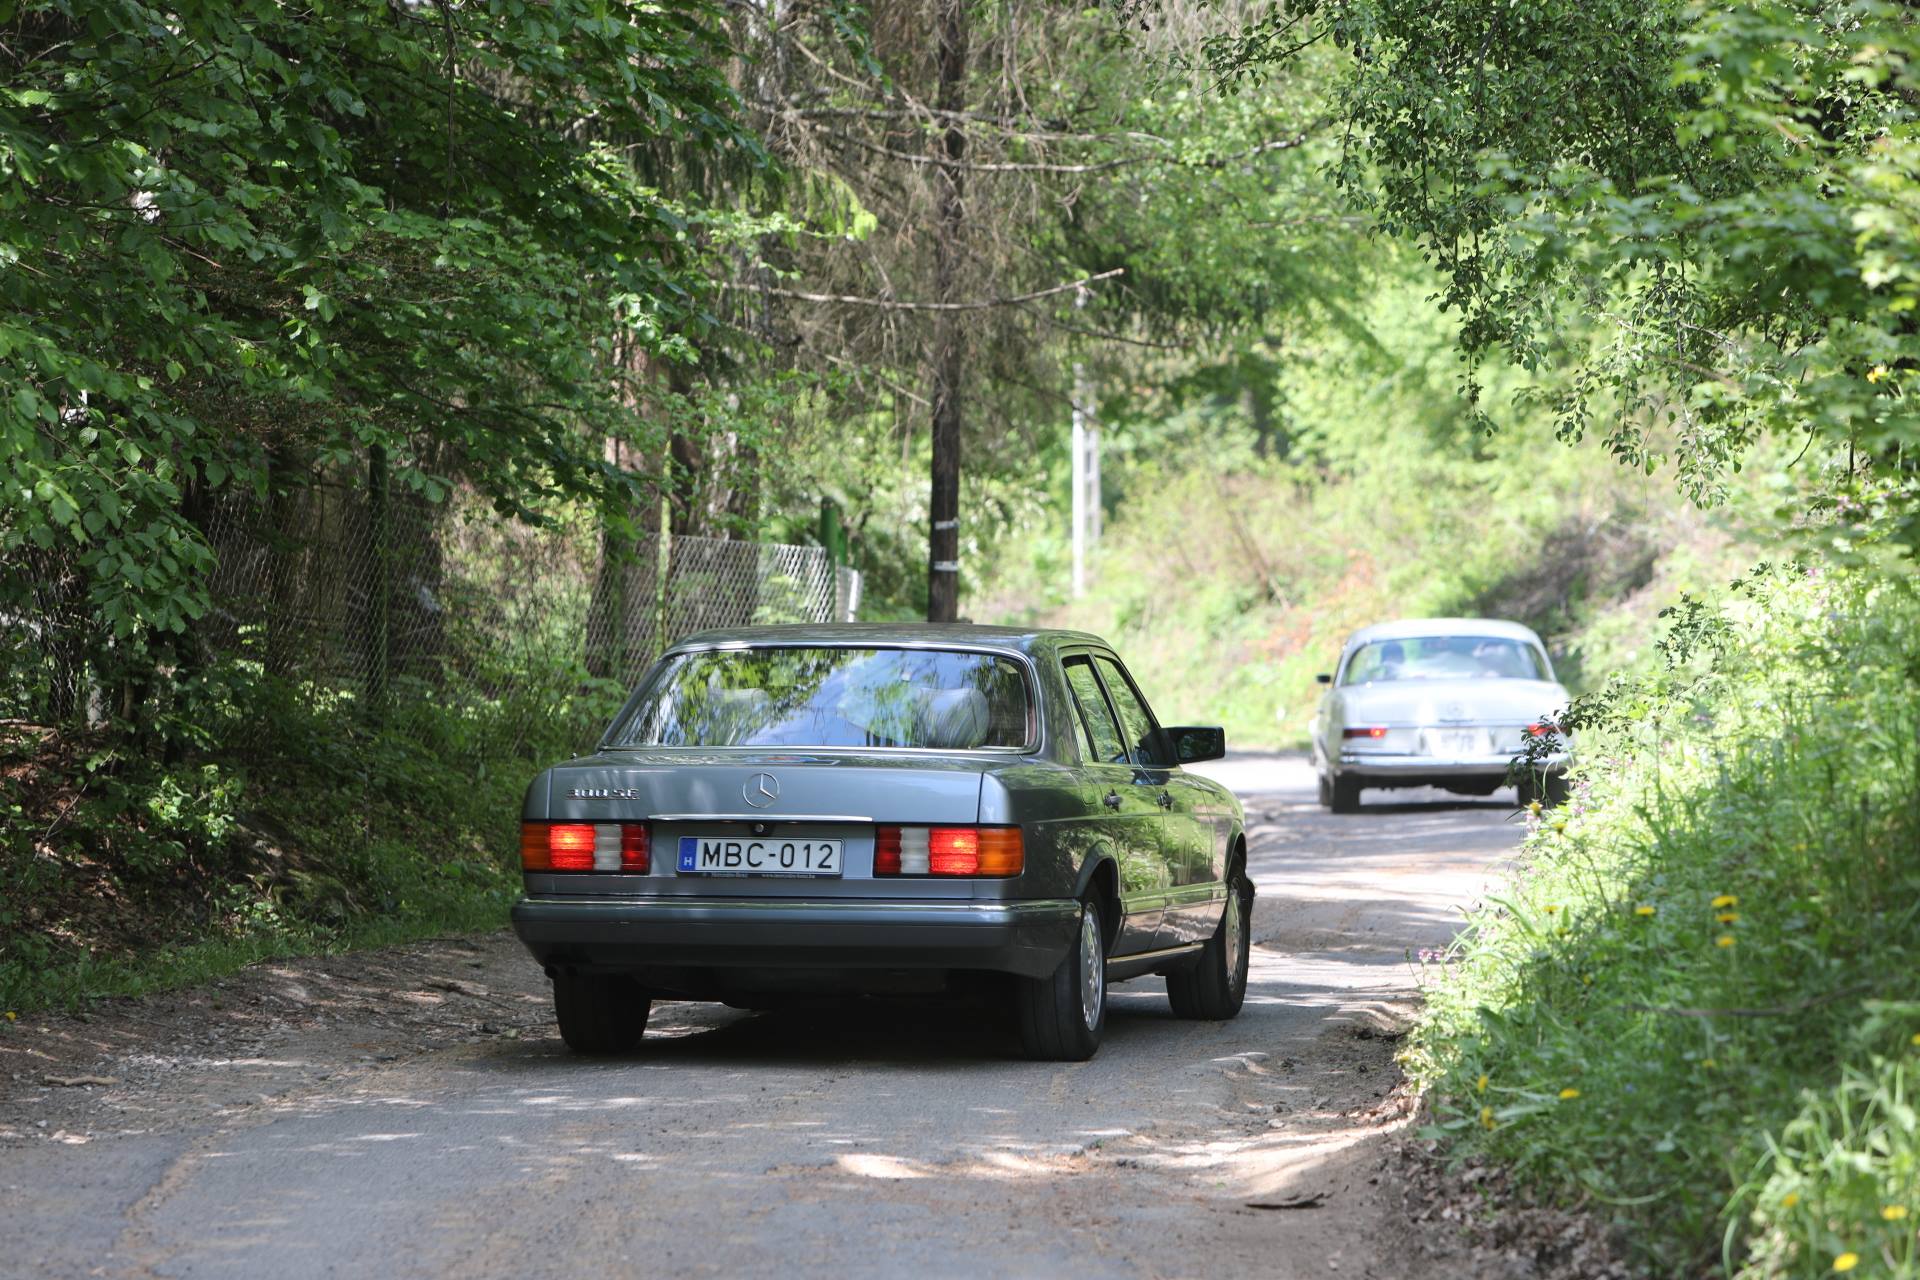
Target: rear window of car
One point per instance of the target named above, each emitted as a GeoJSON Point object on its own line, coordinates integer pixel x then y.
{"type": "Point", "coordinates": [790, 696]}
{"type": "Point", "coordinates": [1445, 658]}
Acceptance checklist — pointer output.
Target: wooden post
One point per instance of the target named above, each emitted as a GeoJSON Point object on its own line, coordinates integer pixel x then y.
{"type": "Point", "coordinates": [949, 356]}
{"type": "Point", "coordinates": [379, 536]}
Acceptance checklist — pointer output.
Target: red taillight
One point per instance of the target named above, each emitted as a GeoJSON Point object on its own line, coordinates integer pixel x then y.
{"type": "Point", "coordinates": [1379, 732]}
{"type": "Point", "coordinates": [570, 846]}
{"type": "Point", "coordinates": [636, 855]}
{"type": "Point", "coordinates": [953, 851]}
{"type": "Point", "coordinates": [584, 846]}
{"type": "Point", "coordinates": [948, 851]}
{"type": "Point", "coordinates": [886, 851]}
{"type": "Point", "coordinates": [1543, 728]}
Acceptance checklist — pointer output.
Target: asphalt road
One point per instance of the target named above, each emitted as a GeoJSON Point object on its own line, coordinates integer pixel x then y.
{"type": "Point", "coordinates": [865, 1139]}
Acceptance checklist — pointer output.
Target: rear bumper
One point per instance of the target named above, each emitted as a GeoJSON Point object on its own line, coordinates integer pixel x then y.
{"type": "Point", "coordinates": [613, 935]}
{"type": "Point", "coordinates": [1413, 770]}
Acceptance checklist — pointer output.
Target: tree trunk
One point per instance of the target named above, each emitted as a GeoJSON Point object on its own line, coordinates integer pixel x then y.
{"type": "Point", "coordinates": [949, 356]}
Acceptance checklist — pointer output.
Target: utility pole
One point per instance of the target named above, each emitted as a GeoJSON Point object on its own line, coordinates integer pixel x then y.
{"type": "Point", "coordinates": [1079, 489]}
{"type": "Point", "coordinates": [1086, 470]}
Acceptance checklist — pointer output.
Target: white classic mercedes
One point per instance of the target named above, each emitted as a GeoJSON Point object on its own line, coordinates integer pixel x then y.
{"type": "Point", "coordinates": [1440, 702]}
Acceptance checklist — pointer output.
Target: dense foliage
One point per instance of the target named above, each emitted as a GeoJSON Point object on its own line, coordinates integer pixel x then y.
{"type": "Point", "coordinates": [1699, 1006]}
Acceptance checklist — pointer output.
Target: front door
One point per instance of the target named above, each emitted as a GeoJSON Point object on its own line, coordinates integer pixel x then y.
{"type": "Point", "coordinates": [1189, 841]}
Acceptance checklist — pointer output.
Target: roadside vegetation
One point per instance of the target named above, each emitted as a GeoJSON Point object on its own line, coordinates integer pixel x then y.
{"type": "Point", "coordinates": [1697, 1010]}
{"type": "Point", "coordinates": [422, 337]}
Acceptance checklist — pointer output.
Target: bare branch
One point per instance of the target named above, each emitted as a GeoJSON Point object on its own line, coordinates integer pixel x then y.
{"type": "Point", "coordinates": [1015, 166]}
{"type": "Point", "coordinates": [889, 304]}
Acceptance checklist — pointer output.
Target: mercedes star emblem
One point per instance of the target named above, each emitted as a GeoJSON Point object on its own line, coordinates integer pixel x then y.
{"type": "Point", "coordinates": [762, 789]}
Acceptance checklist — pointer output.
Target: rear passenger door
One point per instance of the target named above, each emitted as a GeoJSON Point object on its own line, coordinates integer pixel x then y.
{"type": "Point", "coordinates": [1190, 903]}
{"type": "Point", "coordinates": [1126, 814]}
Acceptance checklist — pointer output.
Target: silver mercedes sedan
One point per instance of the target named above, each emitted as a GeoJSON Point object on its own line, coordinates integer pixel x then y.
{"type": "Point", "coordinates": [780, 811]}
{"type": "Point", "coordinates": [1460, 703]}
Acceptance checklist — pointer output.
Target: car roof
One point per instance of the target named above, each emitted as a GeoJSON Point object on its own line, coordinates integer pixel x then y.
{"type": "Point", "coordinates": [1408, 628]}
{"type": "Point", "coordinates": [959, 634]}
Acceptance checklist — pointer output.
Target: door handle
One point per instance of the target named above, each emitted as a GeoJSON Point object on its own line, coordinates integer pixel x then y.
{"type": "Point", "coordinates": [1166, 800]}
{"type": "Point", "coordinates": [1112, 800]}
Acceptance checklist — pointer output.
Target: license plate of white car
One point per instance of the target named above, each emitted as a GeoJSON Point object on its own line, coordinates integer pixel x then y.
{"type": "Point", "coordinates": [1460, 742]}
{"type": "Point", "coordinates": [759, 856]}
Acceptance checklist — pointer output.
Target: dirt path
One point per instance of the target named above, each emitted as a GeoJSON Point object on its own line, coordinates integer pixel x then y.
{"type": "Point", "coordinates": [411, 1113]}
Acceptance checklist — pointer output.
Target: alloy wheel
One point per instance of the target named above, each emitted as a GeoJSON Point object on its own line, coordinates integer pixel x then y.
{"type": "Point", "coordinates": [1093, 969]}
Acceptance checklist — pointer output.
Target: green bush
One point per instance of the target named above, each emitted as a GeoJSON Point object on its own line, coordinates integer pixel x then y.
{"type": "Point", "coordinates": [1701, 996]}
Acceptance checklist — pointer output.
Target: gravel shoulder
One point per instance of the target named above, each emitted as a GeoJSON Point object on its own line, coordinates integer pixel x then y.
{"type": "Point", "coordinates": [411, 1110]}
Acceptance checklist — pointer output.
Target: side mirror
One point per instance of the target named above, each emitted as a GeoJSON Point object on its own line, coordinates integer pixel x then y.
{"type": "Point", "coordinates": [1193, 743]}
{"type": "Point", "coordinates": [1323, 678]}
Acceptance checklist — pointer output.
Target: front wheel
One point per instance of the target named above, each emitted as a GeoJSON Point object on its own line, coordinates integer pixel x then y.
{"type": "Point", "coordinates": [1063, 1015]}
{"type": "Point", "coordinates": [1528, 789]}
{"type": "Point", "coordinates": [600, 1013]}
{"type": "Point", "coordinates": [1214, 987]}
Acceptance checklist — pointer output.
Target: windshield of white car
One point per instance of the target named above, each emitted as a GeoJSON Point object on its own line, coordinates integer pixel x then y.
{"type": "Point", "coordinates": [790, 696]}
{"type": "Point", "coordinates": [1445, 658]}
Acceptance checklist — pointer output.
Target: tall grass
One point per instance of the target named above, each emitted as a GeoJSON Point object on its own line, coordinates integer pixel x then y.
{"type": "Point", "coordinates": [1697, 1009]}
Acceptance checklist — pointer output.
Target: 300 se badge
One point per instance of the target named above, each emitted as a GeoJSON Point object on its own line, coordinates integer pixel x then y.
{"type": "Point", "coordinates": [728, 855]}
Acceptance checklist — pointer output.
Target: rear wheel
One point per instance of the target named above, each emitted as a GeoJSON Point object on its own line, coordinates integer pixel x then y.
{"type": "Point", "coordinates": [600, 1013]}
{"type": "Point", "coordinates": [1215, 987]}
{"type": "Point", "coordinates": [1346, 795]}
{"type": "Point", "coordinates": [1063, 1015]}
{"type": "Point", "coordinates": [1326, 790]}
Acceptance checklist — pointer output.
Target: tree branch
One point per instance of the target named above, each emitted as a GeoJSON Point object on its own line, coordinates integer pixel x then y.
{"type": "Point", "coordinates": [889, 304]}
{"type": "Point", "coordinates": [1014, 166]}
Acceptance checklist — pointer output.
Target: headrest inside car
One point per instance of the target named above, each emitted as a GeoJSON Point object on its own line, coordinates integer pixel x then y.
{"type": "Point", "coordinates": [955, 719]}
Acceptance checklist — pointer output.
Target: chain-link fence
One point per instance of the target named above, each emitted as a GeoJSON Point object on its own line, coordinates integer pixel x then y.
{"type": "Point", "coordinates": [375, 607]}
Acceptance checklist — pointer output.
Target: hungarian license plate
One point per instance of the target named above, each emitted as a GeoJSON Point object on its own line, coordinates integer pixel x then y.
{"type": "Point", "coordinates": [1459, 742]}
{"type": "Point", "coordinates": [759, 856]}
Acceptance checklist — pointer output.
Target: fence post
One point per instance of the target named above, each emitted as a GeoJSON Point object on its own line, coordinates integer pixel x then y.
{"type": "Point", "coordinates": [834, 539]}
{"type": "Point", "coordinates": [379, 533]}
{"type": "Point", "coordinates": [662, 572]}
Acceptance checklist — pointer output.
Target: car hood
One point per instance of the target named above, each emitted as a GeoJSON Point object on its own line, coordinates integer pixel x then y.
{"type": "Point", "coordinates": [1431, 702]}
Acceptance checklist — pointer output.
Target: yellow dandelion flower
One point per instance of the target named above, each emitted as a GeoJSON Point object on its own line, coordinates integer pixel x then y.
{"type": "Point", "coordinates": [1486, 1117]}
{"type": "Point", "coordinates": [1916, 1035]}
{"type": "Point", "coordinates": [1893, 1212]}
{"type": "Point", "coordinates": [1727, 917]}
{"type": "Point", "coordinates": [1559, 824]}
{"type": "Point", "coordinates": [1877, 374]}
{"type": "Point", "coordinates": [1480, 1085]}
{"type": "Point", "coordinates": [14, 1017]}
{"type": "Point", "coordinates": [1724, 940]}
{"type": "Point", "coordinates": [1846, 1261]}
{"type": "Point", "coordinates": [1568, 1095]}
{"type": "Point", "coordinates": [1790, 1199]}
{"type": "Point", "coordinates": [1724, 901]}
{"type": "Point", "coordinates": [1533, 807]}
{"type": "Point", "coordinates": [1552, 909]}
{"type": "Point", "coordinates": [1708, 1063]}
{"type": "Point", "coordinates": [1643, 910]}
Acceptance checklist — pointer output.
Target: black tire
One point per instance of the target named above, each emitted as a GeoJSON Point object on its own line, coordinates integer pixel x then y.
{"type": "Point", "coordinates": [1528, 789]}
{"type": "Point", "coordinates": [600, 1013]}
{"type": "Point", "coordinates": [1326, 790]}
{"type": "Point", "coordinates": [1056, 1024]}
{"type": "Point", "coordinates": [1214, 987]}
{"type": "Point", "coordinates": [1346, 795]}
